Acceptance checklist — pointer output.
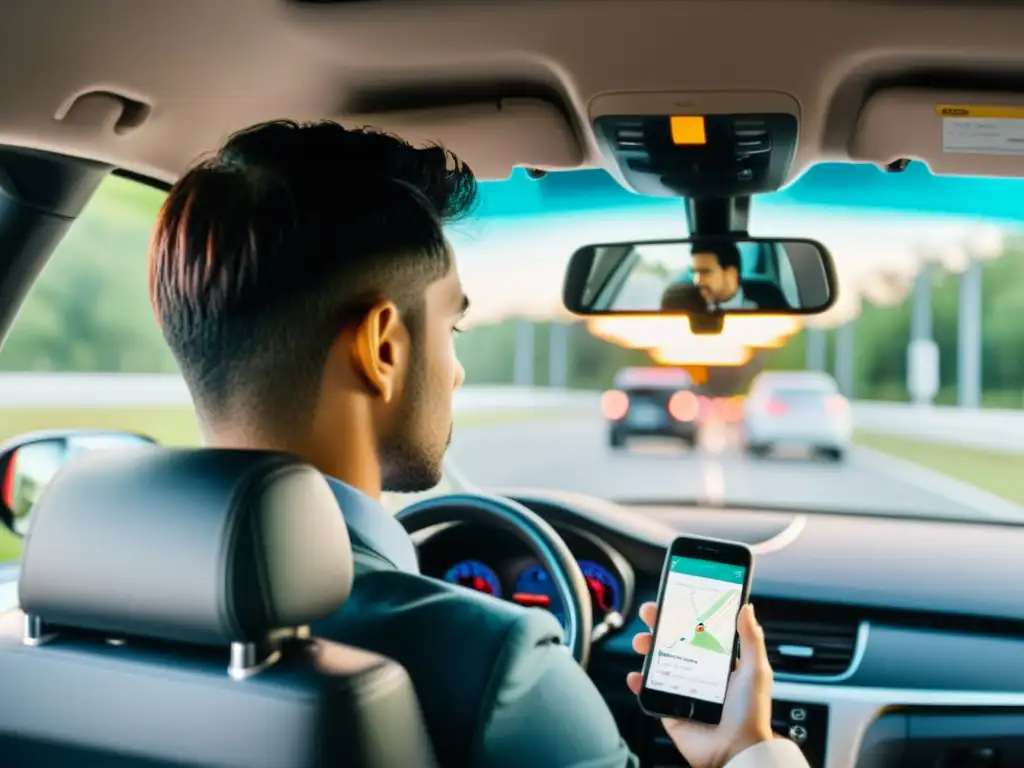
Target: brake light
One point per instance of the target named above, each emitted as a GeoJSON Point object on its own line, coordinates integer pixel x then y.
{"type": "Point", "coordinates": [733, 410]}
{"type": "Point", "coordinates": [683, 406]}
{"type": "Point", "coordinates": [775, 407]}
{"type": "Point", "coordinates": [614, 404]}
{"type": "Point", "coordinates": [836, 405]}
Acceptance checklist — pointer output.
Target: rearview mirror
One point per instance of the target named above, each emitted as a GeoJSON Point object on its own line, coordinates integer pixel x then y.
{"type": "Point", "coordinates": [701, 277]}
{"type": "Point", "coordinates": [29, 462]}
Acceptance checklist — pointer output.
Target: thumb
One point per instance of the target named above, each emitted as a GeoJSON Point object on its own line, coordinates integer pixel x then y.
{"type": "Point", "coordinates": [752, 648]}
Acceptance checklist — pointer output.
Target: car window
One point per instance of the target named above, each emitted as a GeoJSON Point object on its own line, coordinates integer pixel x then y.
{"type": "Point", "coordinates": [87, 314]}
{"type": "Point", "coordinates": [751, 261]}
{"type": "Point", "coordinates": [89, 310]}
{"type": "Point", "coordinates": [801, 393]}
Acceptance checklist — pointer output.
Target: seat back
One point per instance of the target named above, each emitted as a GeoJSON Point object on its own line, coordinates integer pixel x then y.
{"type": "Point", "coordinates": [167, 596]}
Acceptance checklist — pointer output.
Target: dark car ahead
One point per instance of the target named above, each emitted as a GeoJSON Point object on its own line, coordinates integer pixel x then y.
{"type": "Point", "coordinates": [649, 402]}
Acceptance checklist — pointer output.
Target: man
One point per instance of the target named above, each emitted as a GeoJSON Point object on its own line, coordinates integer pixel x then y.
{"type": "Point", "coordinates": [716, 272]}
{"type": "Point", "coordinates": [302, 279]}
{"type": "Point", "coordinates": [303, 282]}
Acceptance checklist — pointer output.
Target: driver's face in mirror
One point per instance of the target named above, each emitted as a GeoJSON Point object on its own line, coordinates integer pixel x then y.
{"type": "Point", "coordinates": [716, 274]}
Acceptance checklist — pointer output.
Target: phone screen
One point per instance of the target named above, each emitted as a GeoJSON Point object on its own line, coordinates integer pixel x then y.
{"type": "Point", "coordinates": [696, 629]}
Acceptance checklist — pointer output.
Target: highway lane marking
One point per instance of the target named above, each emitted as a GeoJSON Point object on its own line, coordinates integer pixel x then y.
{"type": "Point", "coordinates": [713, 474]}
{"type": "Point", "coordinates": [714, 442]}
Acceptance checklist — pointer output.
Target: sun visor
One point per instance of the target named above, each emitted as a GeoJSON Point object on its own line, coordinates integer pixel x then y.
{"type": "Point", "coordinates": [493, 137]}
{"type": "Point", "coordinates": [956, 133]}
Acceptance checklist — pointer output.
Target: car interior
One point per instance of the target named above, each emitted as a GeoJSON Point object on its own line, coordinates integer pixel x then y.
{"type": "Point", "coordinates": [894, 641]}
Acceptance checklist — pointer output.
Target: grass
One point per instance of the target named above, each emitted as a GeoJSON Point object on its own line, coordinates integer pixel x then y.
{"type": "Point", "coordinates": [993, 471]}
{"type": "Point", "coordinates": [169, 425]}
{"type": "Point", "coordinates": [175, 425]}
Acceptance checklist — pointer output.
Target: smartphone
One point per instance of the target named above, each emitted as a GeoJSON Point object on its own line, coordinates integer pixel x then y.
{"type": "Point", "coordinates": [704, 583]}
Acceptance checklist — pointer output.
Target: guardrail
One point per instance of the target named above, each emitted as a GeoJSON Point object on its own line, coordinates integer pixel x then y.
{"type": "Point", "coordinates": [985, 428]}
{"type": "Point", "coordinates": [1000, 430]}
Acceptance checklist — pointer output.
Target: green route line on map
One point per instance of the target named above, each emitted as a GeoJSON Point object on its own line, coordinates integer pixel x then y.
{"type": "Point", "coordinates": [715, 606]}
{"type": "Point", "coordinates": [708, 642]}
{"type": "Point", "coordinates": [705, 640]}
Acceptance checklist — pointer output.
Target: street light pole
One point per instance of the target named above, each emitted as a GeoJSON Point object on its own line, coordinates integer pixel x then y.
{"type": "Point", "coordinates": [844, 358]}
{"type": "Point", "coordinates": [817, 348]}
{"type": "Point", "coordinates": [922, 351]}
{"type": "Point", "coordinates": [523, 365]}
{"type": "Point", "coordinates": [968, 348]}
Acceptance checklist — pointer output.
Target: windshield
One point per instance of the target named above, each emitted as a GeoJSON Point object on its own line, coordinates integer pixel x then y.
{"type": "Point", "coordinates": [922, 352]}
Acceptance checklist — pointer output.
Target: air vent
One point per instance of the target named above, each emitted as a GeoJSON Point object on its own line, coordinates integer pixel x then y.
{"type": "Point", "coordinates": [629, 135]}
{"type": "Point", "coordinates": [800, 645]}
{"type": "Point", "coordinates": [752, 136]}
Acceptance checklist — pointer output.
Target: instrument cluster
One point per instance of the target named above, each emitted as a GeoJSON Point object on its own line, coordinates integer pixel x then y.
{"type": "Point", "coordinates": [486, 561]}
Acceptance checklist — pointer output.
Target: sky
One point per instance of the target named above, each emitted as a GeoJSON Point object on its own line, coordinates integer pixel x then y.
{"type": "Point", "coordinates": [515, 265]}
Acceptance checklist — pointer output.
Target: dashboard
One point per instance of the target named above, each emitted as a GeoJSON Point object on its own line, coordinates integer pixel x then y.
{"type": "Point", "coordinates": [895, 642]}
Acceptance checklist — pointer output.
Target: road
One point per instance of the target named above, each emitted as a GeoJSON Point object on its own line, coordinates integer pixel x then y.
{"type": "Point", "coordinates": [572, 454]}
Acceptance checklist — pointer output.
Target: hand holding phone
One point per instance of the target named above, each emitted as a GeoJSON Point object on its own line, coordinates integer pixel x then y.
{"type": "Point", "coordinates": [747, 712]}
{"type": "Point", "coordinates": [704, 584]}
{"type": "Point", "coordinates": [710, 712]}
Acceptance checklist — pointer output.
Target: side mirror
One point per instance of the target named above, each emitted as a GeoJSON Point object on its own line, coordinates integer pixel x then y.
{"type": "Point", "coordinates": [29, 462]}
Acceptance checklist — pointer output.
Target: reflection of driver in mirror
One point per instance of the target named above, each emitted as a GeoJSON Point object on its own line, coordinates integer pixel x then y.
{"type": "Point", "coordinates": [716, 272]}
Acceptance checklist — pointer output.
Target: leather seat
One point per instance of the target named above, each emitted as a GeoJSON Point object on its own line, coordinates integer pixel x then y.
{"type": "Point", "coordinates": [167, 598]}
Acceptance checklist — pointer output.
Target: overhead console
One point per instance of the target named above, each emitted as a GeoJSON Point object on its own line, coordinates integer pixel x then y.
{"type": "Point", "coordinates": [697, 145]}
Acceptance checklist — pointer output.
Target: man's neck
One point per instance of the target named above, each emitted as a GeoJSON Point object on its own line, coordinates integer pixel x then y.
{"type": "Point", "coordinates": [347, 463]}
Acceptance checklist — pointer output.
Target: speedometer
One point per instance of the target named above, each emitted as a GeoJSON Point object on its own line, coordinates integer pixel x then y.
{"type": "Point", "coordinates": [535, 588]}
{"type": "Point", "coordinates": [605, 589]}
{"type": "Point", "coordinates": [474, 575]}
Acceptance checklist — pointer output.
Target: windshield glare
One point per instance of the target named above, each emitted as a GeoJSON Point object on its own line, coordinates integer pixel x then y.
{"type": "Point", "coordinates": [918, 362]}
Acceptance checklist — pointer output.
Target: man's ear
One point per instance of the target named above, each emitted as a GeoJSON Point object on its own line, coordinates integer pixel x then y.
{"type": "Point", "coordinates": [380, 350]}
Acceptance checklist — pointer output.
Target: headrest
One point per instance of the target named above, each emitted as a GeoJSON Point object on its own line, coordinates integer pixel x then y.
{"type": "Point", "coordinates": [199, 546]}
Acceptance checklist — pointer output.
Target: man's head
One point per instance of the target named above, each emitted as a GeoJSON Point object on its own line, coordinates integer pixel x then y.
{"type": "Point", "coordinates": [716, 270]}
{"type": "Point", "coordinates": [302, 279]}
{"type": "Point", "coordinates": [683, 297]}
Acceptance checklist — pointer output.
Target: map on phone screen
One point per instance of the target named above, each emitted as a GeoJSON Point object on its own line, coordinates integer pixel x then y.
{"type": "Point", "coordinates": [696, 629]}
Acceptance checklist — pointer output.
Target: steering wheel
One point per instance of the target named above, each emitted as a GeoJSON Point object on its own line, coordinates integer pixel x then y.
{"type": "Point", "coordinates": [527, 526]}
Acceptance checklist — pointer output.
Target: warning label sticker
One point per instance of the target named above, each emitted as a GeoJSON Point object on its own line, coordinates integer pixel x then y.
{"type": "Point", "coordinates": [982, 130]}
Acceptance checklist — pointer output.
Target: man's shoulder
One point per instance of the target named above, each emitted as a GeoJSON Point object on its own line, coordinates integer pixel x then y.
{"type": "Point", "coordinates": [438, 610]}
{"type": "Point", "coordinates": [460, 648]}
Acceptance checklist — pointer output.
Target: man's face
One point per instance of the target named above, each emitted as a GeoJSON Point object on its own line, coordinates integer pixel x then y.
{"type": "Point", "coordinates": [412, 451]}
{"type": "Point", "coordinates": [715, 284]}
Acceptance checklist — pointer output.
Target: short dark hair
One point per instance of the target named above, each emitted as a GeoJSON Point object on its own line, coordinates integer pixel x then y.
{"type": "Point", "coordinates": [683, 297]}
{"type": "Point", "coordinates": [727, 253]}
{"type": "Point", "coordinates": [265, 251]}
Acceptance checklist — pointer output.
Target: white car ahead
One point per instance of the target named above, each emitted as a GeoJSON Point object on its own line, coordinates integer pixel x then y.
{"type": "Point", "coordinates": [797, 409]}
